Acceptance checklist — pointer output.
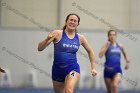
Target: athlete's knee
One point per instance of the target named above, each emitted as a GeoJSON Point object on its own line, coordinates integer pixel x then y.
{"type": "Point", "coordinates": [68, 90]}
{"type": "Point", "coordinates": [115, 85]}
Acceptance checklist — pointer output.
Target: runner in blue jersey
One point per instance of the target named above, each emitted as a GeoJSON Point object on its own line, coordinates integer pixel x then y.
{"type": "Point", "coordinates": [65, 69]}
{"type": "Point", "coordinates": [112, 72]}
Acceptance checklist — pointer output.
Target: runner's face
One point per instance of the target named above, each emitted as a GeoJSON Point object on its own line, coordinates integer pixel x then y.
{"type": "Point", "coordinates": [112, 36]}
{"type": "Point", "coordinates": [72, 22]}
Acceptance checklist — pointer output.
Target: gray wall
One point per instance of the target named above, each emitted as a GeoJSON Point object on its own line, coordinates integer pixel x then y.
{"type": "Point", "coordinates": [51, 13]}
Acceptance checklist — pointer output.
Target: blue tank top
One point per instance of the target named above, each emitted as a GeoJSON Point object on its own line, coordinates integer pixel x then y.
{"type": "Point", "coordinates": [65, 50]}
{"type": "Point", "coordinates": [113, 56]}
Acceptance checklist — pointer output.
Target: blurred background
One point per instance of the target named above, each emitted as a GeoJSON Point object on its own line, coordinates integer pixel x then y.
{"type": "Point", "coordinates": [24, 23]}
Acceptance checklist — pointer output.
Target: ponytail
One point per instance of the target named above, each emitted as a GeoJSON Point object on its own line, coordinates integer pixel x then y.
{"type": "Point", "coordinates": [64, 27]}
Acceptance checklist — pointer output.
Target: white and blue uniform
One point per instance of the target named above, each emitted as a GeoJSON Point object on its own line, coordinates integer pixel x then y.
{"type": "Point", "coordinates": [112, 64]}
{"type": "Point", "coordinates": [65, 59]}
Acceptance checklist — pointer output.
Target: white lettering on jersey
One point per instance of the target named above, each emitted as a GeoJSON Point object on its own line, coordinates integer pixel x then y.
{"type": "Point", "coordinates": [70, 45]}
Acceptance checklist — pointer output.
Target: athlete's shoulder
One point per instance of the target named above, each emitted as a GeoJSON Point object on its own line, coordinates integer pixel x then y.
{"type": "Point", "coordinates": [82, 38]}
{"type": "Point", "coordinates": [57, 31]}
{"type": "Point", "coordinates": [121, 45]}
